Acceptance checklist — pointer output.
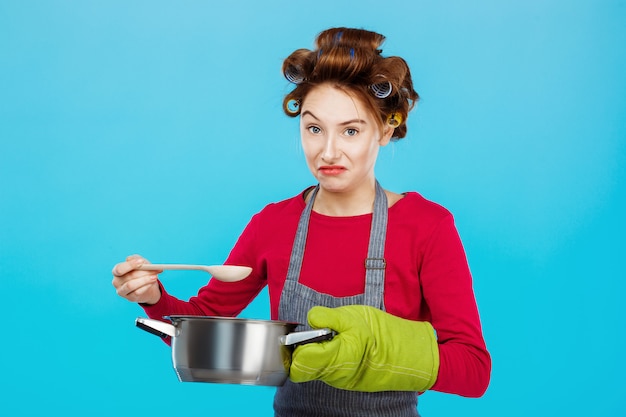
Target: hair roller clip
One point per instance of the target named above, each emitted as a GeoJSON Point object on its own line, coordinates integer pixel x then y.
{"type": "Point", "coordinates": [381, 90]}
{"type": "Point", "coordinates": [394, 120]}
{"type": "Point", "coordinates": [294, 75]}
{"type": "Point", "coordinates": [293, 106]}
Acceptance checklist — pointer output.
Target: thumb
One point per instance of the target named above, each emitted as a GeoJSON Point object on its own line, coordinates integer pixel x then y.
{"type": "Point", "coordinates": [339, 319]}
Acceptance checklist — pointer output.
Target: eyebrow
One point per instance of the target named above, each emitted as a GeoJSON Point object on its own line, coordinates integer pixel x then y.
{"type": "Point", "coordinates": [347, 122]}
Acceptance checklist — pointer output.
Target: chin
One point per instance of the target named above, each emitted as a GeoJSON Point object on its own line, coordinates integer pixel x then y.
{"type": "Point", "coordinates": [332, 185]}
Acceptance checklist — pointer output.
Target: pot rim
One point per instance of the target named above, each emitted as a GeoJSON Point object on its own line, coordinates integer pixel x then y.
{"type": "Point", "coordinates": [177, 318]}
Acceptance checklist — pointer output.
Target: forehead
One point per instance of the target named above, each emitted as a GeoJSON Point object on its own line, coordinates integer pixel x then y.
{"type": "Point", "coordinates": [334, 103]}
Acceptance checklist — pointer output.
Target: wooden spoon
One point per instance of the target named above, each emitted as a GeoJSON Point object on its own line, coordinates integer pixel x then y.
{"type": "Point", "coordinates": [226, 273]}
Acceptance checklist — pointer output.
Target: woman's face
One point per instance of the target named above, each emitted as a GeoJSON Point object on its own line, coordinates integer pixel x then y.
{"type": "Point", "coordinates": [340, 138]}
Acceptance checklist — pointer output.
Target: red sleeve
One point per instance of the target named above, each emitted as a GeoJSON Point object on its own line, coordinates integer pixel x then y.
{"type": "Point", "coordinates": [217, 298]}
{"type": "Point", "coordinates": [465, 364]}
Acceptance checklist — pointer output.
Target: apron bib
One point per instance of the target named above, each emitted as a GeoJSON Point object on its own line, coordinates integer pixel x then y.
{"type": "Point", "coordinates": [315, 398]}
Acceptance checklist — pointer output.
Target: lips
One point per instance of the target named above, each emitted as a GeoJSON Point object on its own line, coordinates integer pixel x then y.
{"type": "Point", "coordinates": [331, 170]}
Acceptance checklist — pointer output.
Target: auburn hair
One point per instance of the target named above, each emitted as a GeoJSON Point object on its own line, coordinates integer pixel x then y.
{"type": "Point", "coordinates": [351, 60]}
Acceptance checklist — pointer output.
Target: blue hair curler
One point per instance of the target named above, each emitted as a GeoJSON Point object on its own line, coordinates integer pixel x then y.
{"type": "Point", "coordinates": [381, 90]}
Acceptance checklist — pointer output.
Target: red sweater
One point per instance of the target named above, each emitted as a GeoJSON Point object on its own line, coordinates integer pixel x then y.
{"type": "Point", "coordinates": [427, 277]}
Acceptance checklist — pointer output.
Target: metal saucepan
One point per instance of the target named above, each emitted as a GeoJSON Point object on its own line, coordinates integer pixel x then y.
{"type": "Point", "coordinates": [232, 350]}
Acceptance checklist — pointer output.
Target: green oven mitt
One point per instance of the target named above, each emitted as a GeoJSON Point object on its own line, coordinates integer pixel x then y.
{"type": "Point", "coordinates": [373, 351]}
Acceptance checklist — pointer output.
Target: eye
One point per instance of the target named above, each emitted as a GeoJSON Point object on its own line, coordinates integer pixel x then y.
{"type": "Point", "coordinates": [314, 130]}
{"type": "Point", "coordinates": [351, 132]}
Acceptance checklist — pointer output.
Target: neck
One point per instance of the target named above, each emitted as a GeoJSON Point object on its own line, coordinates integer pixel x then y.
{"type": "Point", "coordinates": [343, 204]}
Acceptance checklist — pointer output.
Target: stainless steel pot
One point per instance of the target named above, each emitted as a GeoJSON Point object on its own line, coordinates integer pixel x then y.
{"type": "Point", "coordinates": [231, 350]}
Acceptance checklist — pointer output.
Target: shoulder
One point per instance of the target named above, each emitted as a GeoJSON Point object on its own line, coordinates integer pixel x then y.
{"type": "Point", "coordinates": [274, 221]}
{"type": "Point", "coordinates": [282, 210]}
{"type": "Point", "coordinates": [416, 217]}
{"type": "Point", "coordinates": [295, 202]}
{"type": "Point", "coordinates": [415, 204]}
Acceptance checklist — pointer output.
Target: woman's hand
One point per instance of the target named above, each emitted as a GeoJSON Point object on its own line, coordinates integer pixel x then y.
{"type": "Point", "coordinates": [136, 285]}
{"type": "Point", "coordinates": [373, 351]}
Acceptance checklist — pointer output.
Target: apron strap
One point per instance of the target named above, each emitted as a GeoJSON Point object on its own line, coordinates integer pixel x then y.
{"type": "Point", "coordinates": [297, 251]}
{"type": "Point", "coordinates": [375, 262]}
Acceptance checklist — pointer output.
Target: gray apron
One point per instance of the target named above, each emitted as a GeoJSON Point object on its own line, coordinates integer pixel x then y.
{"type": "Point", "coordinates": [315, 398]}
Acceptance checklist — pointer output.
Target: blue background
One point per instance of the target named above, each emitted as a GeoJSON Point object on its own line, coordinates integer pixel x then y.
{"type": "Point", "coordinates": [155, 127]}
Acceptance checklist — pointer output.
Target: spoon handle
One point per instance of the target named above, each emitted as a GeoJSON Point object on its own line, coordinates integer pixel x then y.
{"type": "Point", "coordinates": [165, 267]}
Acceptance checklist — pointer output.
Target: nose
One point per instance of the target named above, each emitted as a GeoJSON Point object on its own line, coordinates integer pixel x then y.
{"type": "Point", "coordinates": [330, 152]}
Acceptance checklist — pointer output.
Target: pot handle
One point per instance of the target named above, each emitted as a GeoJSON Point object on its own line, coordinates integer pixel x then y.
{"type": "Point", "coordinates": [309, 336]}
{"type": "Point", "coordinates": [156, 327]}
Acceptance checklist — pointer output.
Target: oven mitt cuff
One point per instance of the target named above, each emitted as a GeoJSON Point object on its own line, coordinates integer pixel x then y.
{"type": "Point", "coordinates": [373, 351]}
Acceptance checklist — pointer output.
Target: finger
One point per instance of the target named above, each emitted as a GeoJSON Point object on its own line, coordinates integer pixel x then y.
{"type": "Point", "coordinates": [139, 295]}
{"type": "Point", "coordinates": [131, 286]}
{"type": "Point", "coordinates": [132, 262]}
{"type": "Point", "coordinates": [119, 281]}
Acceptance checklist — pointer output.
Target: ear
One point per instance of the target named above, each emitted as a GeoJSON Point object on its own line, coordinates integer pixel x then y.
{"type": "Point", "coordinates": [387, 134]}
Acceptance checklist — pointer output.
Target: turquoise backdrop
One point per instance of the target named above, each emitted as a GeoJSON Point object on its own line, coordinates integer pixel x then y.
{"type": "Point", "coordinates": [155, 127]}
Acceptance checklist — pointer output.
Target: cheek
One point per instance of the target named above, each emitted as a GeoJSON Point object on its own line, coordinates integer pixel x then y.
{"type": "Point", "coordinates": [309, 149]}
{"type": "Point", "coordinates": [365, 151]}
{"type": "Point", "coordinates": [367, 156]}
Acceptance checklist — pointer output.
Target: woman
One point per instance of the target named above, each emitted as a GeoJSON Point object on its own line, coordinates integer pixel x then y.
{"type": "Point", "coordinates": [387, 271]}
